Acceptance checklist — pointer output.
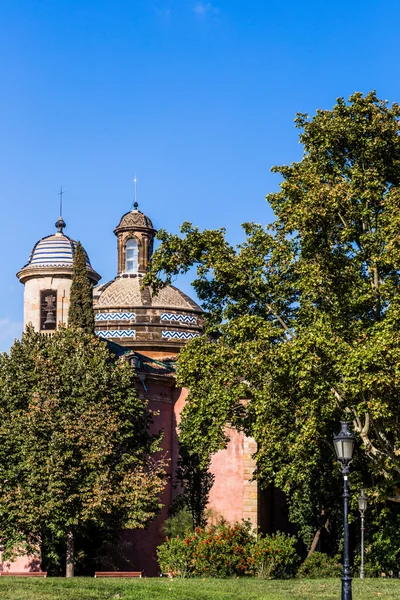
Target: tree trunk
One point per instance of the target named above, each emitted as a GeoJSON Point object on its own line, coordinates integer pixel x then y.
{"type": "Point", "coordinates": [70, 562]}
{"type": "Point", "coordinates": [314, 542]}
{"type": "Point", "coordinates": [324, 520]}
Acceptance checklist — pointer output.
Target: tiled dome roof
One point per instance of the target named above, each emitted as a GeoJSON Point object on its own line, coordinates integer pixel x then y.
{"type": "Point", "coordinates": [133, 219]}
{"type": "Point", "coordinates": [126, 292]}
{"type": "Point", "coordinates": [55, 250]}
{"type": "Point", "coordinates": [139, 319]}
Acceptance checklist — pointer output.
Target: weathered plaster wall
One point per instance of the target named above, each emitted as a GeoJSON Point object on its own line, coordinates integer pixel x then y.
{"type": "Point", "coordinates": [20, 564]}
{"type": "Point", "coordinates": [164, 399]}
{"type": "Point", "coordinates": [32, 290]}
{"type": "Point", "coordinates": [226, 495]}
{"type": "Point", "coordinates": [233, 495]}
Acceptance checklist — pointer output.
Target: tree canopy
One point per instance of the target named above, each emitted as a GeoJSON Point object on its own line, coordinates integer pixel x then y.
{"type": "Point", "coordinates": [303, 317]}
{"type": "Point", "coordinates": [75, 451]}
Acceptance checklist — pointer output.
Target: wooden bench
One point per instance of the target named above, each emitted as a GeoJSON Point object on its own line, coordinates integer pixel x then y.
{"type": "Point", "coordinates": [118, 574]}
{"type": "Point", "coordinates": [23, 574]}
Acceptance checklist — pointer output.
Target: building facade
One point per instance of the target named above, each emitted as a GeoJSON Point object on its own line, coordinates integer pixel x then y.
{"type": "Point", "coordinates": [149, 329]}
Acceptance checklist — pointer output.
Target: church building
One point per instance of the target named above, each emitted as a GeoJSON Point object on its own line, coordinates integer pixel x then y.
{"type": "Point", "coordinates": [149, 330]}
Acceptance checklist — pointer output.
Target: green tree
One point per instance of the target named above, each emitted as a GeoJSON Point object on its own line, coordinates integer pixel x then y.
{"type": "Point", "coordinates": [75, 452]}
{"type": "Point", "coordinates": [81, 312]}
{"type": "Point", "coordinates": [196, 481]}
{"type": "Point", "coordinates": [306, 311]}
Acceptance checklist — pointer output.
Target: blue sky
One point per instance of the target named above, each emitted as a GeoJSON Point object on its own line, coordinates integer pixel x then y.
{"type": "Point", "coordinates": [197, 98]}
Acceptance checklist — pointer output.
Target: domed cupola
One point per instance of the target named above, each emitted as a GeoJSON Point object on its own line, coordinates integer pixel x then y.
{"type": "Point", "coordinates": [157, 325]}
{"type": "Point", "coordinates": [47, 277]}
{"type": "Point", "coordinates": [135, 233]}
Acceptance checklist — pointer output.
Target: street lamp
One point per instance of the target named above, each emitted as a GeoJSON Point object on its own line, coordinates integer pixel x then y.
{"type": "Point", "coordinates": [362, 507]}
{"type": "Point", "coordinates": [344, 446]}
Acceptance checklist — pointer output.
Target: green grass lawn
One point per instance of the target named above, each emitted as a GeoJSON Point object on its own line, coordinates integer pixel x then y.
{"type": "Point", "coordinates": [84, 588]}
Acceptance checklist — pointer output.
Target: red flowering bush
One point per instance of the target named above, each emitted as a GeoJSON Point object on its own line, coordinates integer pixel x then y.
{"type": "Point", "coordinates": [222, 550]}
{"type": "Point", "coordinates": [227, 550]}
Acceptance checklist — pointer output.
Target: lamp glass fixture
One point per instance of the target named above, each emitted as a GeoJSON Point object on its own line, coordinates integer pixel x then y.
{"type": "Point", "coordinates": [344, 443]}
{"type": "Point", "coordinates": [362, 501]}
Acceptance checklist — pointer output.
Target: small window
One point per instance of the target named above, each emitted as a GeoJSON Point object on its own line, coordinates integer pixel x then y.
{"type": "Point", "coordinates": [48, 309]}
{"type": "Point", "coordinates": [131, 256]}
{"type": "Point", "coordinates": [151, 249]}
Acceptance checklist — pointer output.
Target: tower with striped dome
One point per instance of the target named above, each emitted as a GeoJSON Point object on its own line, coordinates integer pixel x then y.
{"type": "Point", "coordinates": [47, 278]}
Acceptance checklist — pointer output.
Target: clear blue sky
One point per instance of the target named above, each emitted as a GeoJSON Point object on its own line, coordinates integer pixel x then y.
{"type": "Point", "coordinates": [197, 98]}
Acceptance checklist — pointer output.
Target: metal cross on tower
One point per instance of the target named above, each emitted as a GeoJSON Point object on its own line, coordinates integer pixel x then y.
{"type": "Point", "coordinates": [60, 193]}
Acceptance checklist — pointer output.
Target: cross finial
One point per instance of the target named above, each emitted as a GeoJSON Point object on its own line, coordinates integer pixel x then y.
{"type": "Point", "coordinates": [60, 193]}
{"type": "Point", "coordinates": [60, 221]}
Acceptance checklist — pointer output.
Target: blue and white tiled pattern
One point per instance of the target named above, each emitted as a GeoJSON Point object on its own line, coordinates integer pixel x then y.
{"type": "Point", "coordinates": [179, 318]}
{"type": "Point", "coordinates": [179, 335]}
{"type": "Point", "coordinates": [55, 250]}
{"type": "Point", "coordinates": [115, 316]}
{"type": "Point", "coordinates": [116, 333]}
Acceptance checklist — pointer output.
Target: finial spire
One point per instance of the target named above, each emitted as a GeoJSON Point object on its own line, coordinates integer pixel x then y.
{"type": "Point", "coordinates": [60, 224]}
{"type": "Point", "coordinates": [135, 203]}
{"type": "Point", "coordinates": [60, 193]}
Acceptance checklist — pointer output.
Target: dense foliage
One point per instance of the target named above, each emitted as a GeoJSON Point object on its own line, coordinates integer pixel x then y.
{"type": "Point", "coordinates": [382, 543]}
{"type": "Point", "coordinates": [303, 323]}
{"type": "Point", "coordinates": [274, 556]}
{"type": "Point", "coordinates": [319, 566]}
{"type": "Point", "coordinates": [74, 444]}
{"type": "Point", "coordinates": [80, 313]}
{"type": "Point", "coordinates": [178, 523]}
{"type": "Point", "coordinates": [228, 550]}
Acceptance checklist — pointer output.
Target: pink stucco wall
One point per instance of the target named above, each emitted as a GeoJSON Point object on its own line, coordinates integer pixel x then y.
{"type": "Point", "coordinates": [168, 401]}
{"type": "Point", "coordinates": [226, 495]}
{"type": "Point", "coordinates": [20, 564]}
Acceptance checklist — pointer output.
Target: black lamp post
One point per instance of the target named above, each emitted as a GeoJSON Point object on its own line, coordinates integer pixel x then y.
{"type": "Point", "coordinates": [362, 507]}
{"type": "Point", "coordinates": [344, 446]}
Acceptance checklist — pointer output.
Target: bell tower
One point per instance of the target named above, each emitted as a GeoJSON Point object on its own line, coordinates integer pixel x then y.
{"type": "Point", "coordinates": [135, 234]}
{"type": "Point", "coordinates": [47, 279]}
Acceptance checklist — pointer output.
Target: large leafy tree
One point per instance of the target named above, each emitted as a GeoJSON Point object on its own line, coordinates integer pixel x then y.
{"type": "Point", "coordinates": [303, 324]}
{"type": "Point", "coordinates": [75, 452]}
{"type": "Point", "coordinates": [80, 313]}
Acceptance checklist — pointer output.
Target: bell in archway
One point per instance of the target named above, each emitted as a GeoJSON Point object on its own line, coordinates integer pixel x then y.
{"type": "Point", "coordinates": [50, 322]}
{"type": "Point", "coordinates": [50, 319]}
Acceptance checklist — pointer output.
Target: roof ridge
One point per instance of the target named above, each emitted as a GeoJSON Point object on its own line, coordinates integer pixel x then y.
{"type": "Point", "coordinates": [153, 360]}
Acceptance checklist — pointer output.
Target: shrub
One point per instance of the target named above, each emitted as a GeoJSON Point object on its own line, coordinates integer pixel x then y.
{"type": "Point", "coordinates": [219, 550]}
{"type": "Point", "coordinates": [274, 557]}
{"type": "Point", "coordinates": [228, 550]}
{"type": "Point", "coordinates": [174, 557]}
{"type": "Point", "coordinates": [319, 566]}
{"type": "Point", "coordinates": [222, 550]}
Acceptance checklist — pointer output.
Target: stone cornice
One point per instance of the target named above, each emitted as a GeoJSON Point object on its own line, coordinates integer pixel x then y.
{"type": "Point", "coordinates": [30, 272]}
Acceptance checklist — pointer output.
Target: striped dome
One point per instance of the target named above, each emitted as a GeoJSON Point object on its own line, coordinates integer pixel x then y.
{"type": "Point", "coordinates": [54, 255]}
{"type": "Point", "coordinates": [55, 250]}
